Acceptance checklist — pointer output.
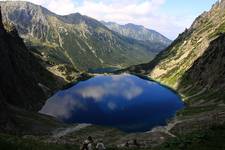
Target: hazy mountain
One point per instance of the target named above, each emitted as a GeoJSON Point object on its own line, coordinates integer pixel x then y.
{"type": "Point", "coordinates": [194, 63]}
{"type": "Point", "coordinates": [74, 40]}
{"type": "Point", "coordinates": [141, 33]}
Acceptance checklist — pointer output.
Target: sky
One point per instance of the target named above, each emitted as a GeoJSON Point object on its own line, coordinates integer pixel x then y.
{"type": "Point", "coordinates": [169, 17]}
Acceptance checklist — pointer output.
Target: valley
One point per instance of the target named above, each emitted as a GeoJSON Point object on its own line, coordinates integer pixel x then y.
{"type": "Point", "coordinates": [71, 43]}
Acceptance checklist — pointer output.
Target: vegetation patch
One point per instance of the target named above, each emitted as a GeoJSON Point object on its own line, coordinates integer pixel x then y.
{"type": "Point", "coordinates": [9, 142]}
{"type": "Point", "coordinates": [212, 139]}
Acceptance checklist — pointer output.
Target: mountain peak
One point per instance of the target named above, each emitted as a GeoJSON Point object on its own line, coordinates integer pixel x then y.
{"type": "Point", "coordinates": [133, 25]}
{"type": "Point", "coordinates": [139, 32]}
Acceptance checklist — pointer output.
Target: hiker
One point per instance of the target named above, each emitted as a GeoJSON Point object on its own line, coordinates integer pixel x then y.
{"type": "Point", "coordinates": [88, 144]}
{"type": "Point", "coordinates": [85, 145]}
{"type": "Point", "coordinates": [100, 145]}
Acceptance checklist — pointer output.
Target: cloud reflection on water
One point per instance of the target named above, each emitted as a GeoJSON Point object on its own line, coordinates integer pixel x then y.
{"type": "Point", "coordinates": [132, 103]}
{"type": "Point", "coordinates": [61, 106]}
{"type": "Point", "coordinates": [121, 85]}
{"type": "Point", "coordinates": [112, 105]}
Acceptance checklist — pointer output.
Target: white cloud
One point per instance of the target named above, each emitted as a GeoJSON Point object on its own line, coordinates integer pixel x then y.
{"type": "Point", "coordinates": [61, 7]}
{"type": "Point", "coordinates": [141, 12]}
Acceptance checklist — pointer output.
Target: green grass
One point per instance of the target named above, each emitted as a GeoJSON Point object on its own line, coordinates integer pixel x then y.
{"type": "Point", "coordinates": [195, 110]}
{"type": "Point", "coordinates": [208, 95]}
{"type": "Point", "coordinates": [220, 29]}
{"type": "Point", "coordinates": [212, 139]}
{"type": "Point", "coordinates": [9, 142]}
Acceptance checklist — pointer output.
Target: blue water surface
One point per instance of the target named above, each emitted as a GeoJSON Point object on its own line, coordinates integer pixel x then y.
{"type": "Point", "coordinates": [124, 101]}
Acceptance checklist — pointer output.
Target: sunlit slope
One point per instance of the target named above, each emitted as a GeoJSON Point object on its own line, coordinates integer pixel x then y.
{"type": "Point", "coordinates": [194, 62]}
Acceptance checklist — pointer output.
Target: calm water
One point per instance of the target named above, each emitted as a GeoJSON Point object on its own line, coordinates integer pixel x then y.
{"type": "Point", "coordinates": [123, 101]}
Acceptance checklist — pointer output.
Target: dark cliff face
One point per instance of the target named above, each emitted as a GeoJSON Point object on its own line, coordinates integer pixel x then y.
{"type": "Point", "coordinates": [24, 86]}
{"type": "Point", "coordinates": [207, 74]}
{"type": "Point", "coordinates": [22, 78]}
{"type": "Point", "coordinates": [209, 70]}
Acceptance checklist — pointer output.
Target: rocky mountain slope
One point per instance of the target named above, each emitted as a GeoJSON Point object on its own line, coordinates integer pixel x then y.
{"type": "Point", "coordinates": [25, 84]}
{"type": "Point", "coordinates": [207, 75]}
{"type": "Point", "coordinates": [141, 33]}
{"type": "Point", "coordinates": [194, 62]}
{"type": "Point", "coordinates": [73, 41]}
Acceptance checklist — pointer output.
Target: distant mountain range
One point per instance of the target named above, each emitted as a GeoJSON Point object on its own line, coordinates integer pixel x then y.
{"type": "Point", "coordinates": [76, 42]}
{"type": "Point", "coordinates": [139, 32]}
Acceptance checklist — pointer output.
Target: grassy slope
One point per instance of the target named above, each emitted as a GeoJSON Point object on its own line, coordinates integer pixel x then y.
{"type": "Point", "coordinates": [9, 142]}
{"type": "Point", "coordinates": [211, 139]}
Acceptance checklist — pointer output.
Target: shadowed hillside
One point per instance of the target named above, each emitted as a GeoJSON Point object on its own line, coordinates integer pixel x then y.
{"type": "Point", "coordinates": [207, 75]}
{"type": "Point", "coordinates": [25, 84]}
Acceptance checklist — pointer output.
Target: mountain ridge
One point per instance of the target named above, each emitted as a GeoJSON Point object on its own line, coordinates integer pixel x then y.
{"type": "Point", "coordinates": [74, 40]}
{"type": "Point", "coordinates": [139, 32]}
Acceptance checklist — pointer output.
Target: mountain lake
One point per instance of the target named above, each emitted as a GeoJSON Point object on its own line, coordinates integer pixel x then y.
{"type": "Point", "coordinates": [125, 101]}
